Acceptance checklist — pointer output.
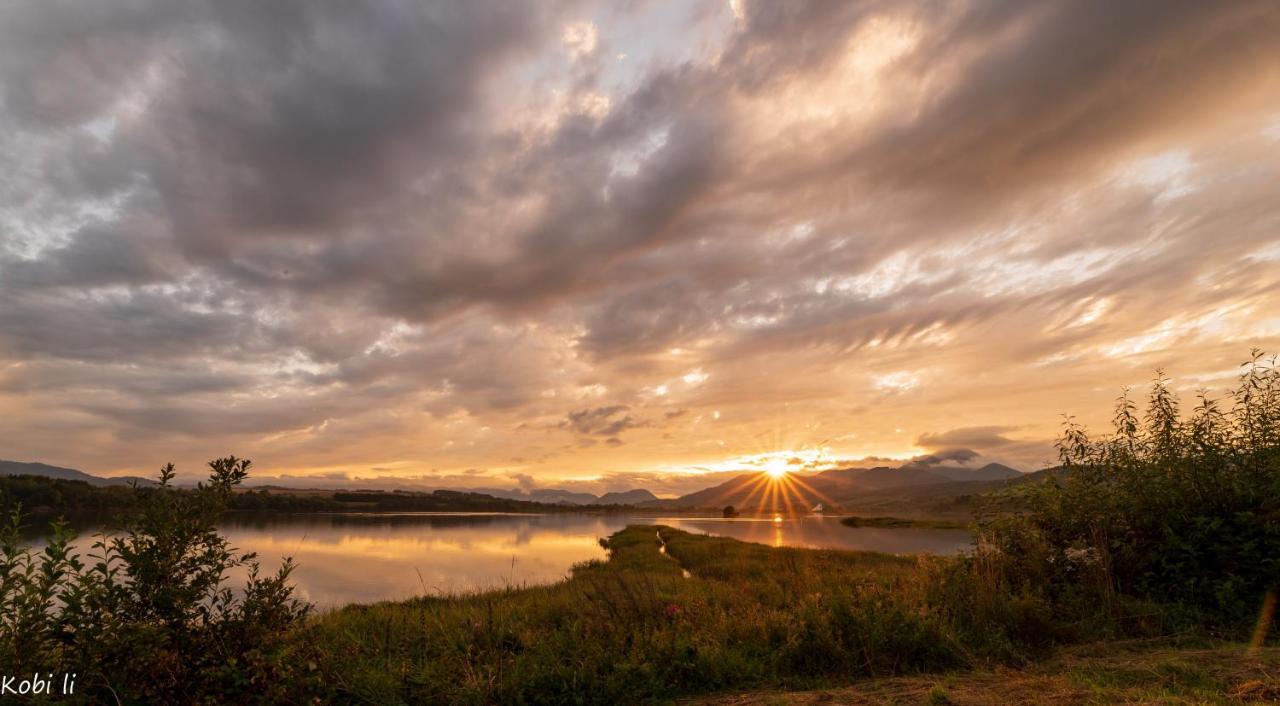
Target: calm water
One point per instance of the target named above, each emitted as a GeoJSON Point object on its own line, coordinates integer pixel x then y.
{"type": "Point", "coordinates": [361, 558]}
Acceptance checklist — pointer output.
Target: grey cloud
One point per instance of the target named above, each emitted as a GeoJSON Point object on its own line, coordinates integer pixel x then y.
{"type": "Point", "coordinates": [63, 62]}
{"type": "Point", "coordinates": [602, 421]}
{"type": "Point", "coordinates": [1022, 115]}
{"type": "Point", "coordinates": [961, 456]}
{"type": "Point", "coordinates": [982, 437]}
{"type": "Point", "coordinates": [194, 418]}
{"type": "Point", "coordinates": [524, 480]}
{"type": "Point", "coordinates": [131, 324]}
{"type": "Point", "coordinates": [168, 381]}
{"type": "Point", "coordinates": [125, 254]}
{"type": "Point", "coordinates": [967, 443]}
{"type": "Point", "coordinates": [320, 100]}
{"type": "Point", "coordinates": [646, 319]}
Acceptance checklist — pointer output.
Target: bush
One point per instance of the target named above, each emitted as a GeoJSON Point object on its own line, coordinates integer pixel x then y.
{"type": "Point", "coordinates": [150, 617]}
{"type": "Point", "coordinates": [1183, 513]}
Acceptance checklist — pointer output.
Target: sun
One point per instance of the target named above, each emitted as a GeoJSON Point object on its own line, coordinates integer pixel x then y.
{"type": "Point", "coordinates": [776, 468]}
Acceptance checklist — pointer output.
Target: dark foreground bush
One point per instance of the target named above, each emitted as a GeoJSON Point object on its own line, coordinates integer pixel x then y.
{"type": "Point", "coordinates": [1180, 514]}
{"type": "Point", "coordinates": [150, 618]}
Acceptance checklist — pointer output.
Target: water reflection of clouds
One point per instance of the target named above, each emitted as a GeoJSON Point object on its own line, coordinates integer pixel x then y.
{"type": "Point", "coordinates": [347, 558]}
{"type": "Point", "coordinates": [364, 557]}
{"type": "Point", "coordinates": [361, 558]}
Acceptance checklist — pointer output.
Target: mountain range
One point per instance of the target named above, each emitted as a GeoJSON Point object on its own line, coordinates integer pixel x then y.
{"type": "Point", "coordinates": [19, 468]}
{"type": "Point", "coordinates": [553, 496]}
{"type": "Point", "coordinates": [844, 486]}
{"type": "Point", "coordinates": [556, 496]}
{"type": "Point", "coordinates": [912, 488]}
{"type": "Point", "coordinates": [836, 488]}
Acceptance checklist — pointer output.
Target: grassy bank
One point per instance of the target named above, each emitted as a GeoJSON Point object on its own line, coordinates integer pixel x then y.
{"type": "Point", "coordinates": [1141, 673]}
{"type": "Point", "coordinates": [636, 628]}
{"type": "Point", "coordinates": [672, 615]}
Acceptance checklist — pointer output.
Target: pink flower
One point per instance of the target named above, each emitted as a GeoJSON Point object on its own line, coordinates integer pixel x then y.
{"type": "Point", "coordinates": [672, 611]}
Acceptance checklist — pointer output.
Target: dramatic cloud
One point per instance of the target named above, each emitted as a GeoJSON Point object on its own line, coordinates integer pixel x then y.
{"type": "Point", "coordinates": [484, 241]}
{"type": "Point", "coordinates": [967, 444]}
{"type": "Point", "coordinates": [960, 456]}
{"type": "Point", "coordinates": [602, 421]}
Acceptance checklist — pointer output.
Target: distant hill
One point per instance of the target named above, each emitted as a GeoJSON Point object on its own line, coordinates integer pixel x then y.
{"type": "Point", "coordinates": [555, 495]}
{"type": "Point", "coordinates": [951, 500]}
{"type": "Point", "coordinates": [45, 495]}
{"type": "Point", "coordinates": [991, 471]}
{"type": "Point", "coordinates": [325, 486]}
{"type": "Point", "coordinates": [19, 468]}
{"type": "Point", "coordinates": [911, 489]}
{"type": "Point", "coordinates": [629, 497]}
{"type": "Point", "coordinates": [731, 492]}
{"type": "Point", "coordinates": [883, 477]}
{"type": "Point", "coordinates": [558, 496]}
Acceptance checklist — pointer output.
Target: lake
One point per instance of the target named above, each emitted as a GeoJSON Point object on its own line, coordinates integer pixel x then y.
{"type": "Point", "coordinates": [360, 558]}
{"type": "Point", "coordinates": [365, 557]}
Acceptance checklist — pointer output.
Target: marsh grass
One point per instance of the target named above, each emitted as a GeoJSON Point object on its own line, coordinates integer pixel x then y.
{"type": "Point", "coordinates": [635, 628]}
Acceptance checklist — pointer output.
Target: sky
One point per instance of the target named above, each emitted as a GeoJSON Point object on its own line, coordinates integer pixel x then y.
{"type": "Point", "coordinates": [613, 245]}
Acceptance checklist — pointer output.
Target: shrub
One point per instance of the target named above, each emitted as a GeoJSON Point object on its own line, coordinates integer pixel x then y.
{"type": "Point", "coordinates": [150, 617]}
{"type": "Point", "coordinates": [1180, 512]}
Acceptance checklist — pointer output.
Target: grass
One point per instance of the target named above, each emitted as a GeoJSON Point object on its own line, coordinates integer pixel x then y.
{"type": "Point", "coordinates": [635, 628]}
{"type": "Point", "coordinates": [672, 615]}
{"type": "Point", "coordinates": [1097, 674]}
